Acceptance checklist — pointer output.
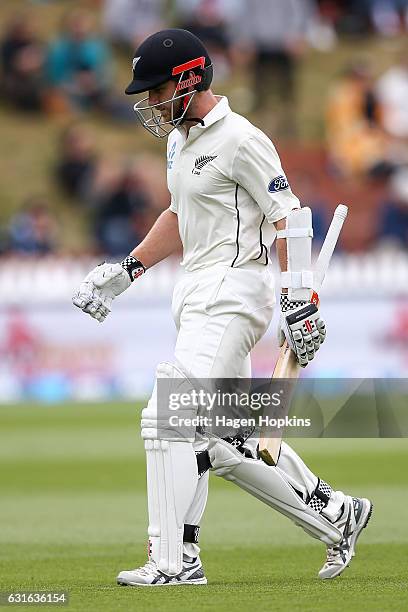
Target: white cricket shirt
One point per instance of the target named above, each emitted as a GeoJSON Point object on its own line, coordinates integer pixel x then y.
{"type": "Point", "coordinates": [227, 187]}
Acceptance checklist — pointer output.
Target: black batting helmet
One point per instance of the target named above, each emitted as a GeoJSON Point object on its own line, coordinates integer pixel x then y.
{"type": "Point", "coordinates": [166, 55]}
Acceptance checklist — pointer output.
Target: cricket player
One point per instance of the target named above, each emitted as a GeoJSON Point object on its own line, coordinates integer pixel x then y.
{"type": "Point", "coordinates": [230, 200]}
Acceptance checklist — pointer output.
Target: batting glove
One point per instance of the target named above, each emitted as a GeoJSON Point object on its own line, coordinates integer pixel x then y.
{"type": "Point", "coordinates": [302, 327]}
{"type": "Point", "coordinates": [105, 282]}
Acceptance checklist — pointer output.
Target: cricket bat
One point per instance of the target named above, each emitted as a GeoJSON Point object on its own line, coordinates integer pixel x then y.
{"type": "Point", "coordinates": [287, 365]}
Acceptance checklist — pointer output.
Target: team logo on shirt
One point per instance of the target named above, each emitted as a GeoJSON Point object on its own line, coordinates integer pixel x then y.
{"type": "Point", "coordinates": [278, 184]}
{"type": "Point", "coordinates": [201, 161]}
{"type": "Point", "coordinates": [170, 156]}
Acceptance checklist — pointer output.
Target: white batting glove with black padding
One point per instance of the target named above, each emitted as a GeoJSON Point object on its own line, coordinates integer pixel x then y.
{"type": "Point", "coordinates": [105, 282]}
{"type": "Point", "coordinates": [302, 327]}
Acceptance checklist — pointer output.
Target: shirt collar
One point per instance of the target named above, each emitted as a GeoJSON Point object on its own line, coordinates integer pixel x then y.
{"type": "Point", "coordinates": [219, 111]}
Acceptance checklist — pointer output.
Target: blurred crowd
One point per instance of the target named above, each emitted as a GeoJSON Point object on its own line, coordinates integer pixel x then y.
{"type": "Point", "coordinates": [121, 195]}
{"type": "Point", "coordinates": [75, 70]}
{"type": "Point", "coordinates": [72, 75]}
{"type": "Point", "coordinates": [367, 138]}
{"type": "Point", "coordinates": [367, 120]}
{"type": "Point", "coordinates": [120, 198]}
{"type": "Point", "coordinates": [69, 74]}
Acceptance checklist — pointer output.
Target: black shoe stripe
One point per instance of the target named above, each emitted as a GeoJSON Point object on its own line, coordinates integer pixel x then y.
{"type": "Point", "coordinates": [357, 508]}
{"type": "Point", "coordinates": [177, 577]}
{"type": "Point", "coordinates": [344, 545]}
{"type": "Point", "coordinates": [369, 515]}
{"type": "Point", "coordinates": [158, 578]}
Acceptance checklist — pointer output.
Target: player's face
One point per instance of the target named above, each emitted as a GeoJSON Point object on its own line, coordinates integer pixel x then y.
{"type": "Point", "coordinates": [160, 95]}
{"type": "Point", "coordinates": [164, 108]}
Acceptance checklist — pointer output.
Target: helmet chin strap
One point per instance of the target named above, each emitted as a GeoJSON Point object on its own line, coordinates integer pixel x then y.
{"type": "Point", "coordinates": [196, 119]}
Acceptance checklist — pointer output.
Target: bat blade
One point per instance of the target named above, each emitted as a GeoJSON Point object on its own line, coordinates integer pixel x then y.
{"type": "Point", "coordinates": [286, 367]}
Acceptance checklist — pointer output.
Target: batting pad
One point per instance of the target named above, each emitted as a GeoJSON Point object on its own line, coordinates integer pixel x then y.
{"type": "Point", "coordinates": [172, 480]}
{"type": "Point", "coordinates": [172, 474]}
{"type": "Point", "coordinates": [268, 484]}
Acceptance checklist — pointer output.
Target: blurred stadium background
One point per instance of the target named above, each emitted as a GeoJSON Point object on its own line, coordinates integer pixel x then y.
{"type": "Point", "coordinates": [82, 182]}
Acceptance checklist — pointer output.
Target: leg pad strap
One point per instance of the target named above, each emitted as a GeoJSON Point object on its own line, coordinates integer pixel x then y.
{"type": "Point", "coordinates": [321, 496]}
{"type": "Point", "coordinates": [203, 462]}
{"type": "Point", "coordinates": [269, 485]}
{"type": "Point", "coordinates": [191, 533]}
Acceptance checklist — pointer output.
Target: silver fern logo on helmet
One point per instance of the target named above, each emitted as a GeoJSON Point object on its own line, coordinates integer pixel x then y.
{"type": "Point", "coordinates": [134, 62]}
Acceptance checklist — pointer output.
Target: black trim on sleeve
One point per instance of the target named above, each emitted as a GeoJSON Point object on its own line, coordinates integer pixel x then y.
{"type": "Point", "coordinates": [261, 244]}
{"type": "Point", "coordinates": [237, 238]}
{"type": "Point", "coordinates": [266, 255]}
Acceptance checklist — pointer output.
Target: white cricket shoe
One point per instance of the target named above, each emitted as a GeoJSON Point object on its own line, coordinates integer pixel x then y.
{"type": "Point", "coordinates": [355, 516]}
{"type": "Point", "coordinates": [150, 575]}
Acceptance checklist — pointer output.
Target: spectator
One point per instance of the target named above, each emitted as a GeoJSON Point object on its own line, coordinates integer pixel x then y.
{"type": "Point", "coordinates": [275, 34]}
{"type": "Point", "coordinates": [120, 202]}
{"type": "Point", "coordinates": [361, 16]}
{"type": "Point", "coordinates": [332, 12]}
{"type": "Point", "coordinates": [392, 92]}
{"type": "Point", "coordinates": [129, 22]}
{"type": "Point", "coordinates": [22, 59]}
{"type": "Point", "coordinates": [354, 16]}
{"type": "Point", "coordinates": [388, 16]}
{"type": "Point", "coordinates": [33, 230]}
{"type": "Point", "coordinates": [208, 19]}
{"type": "Point", "coordinates": [357, 144]}
{"type": "Point", "coordinates": [393, 220]}
{"type": "Point", "coordinates": [77, 162]}
{"type": "Point", "coordinates": [79, 64]}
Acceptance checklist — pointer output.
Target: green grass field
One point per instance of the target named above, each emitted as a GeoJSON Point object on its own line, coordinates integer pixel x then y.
{"type": "Point", "coordinates": [73, 514]}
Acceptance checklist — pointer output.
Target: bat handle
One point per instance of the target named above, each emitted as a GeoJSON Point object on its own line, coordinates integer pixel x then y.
{"type": "Point", "coordinates": [329, 244]}
{"type": "Point", "coordinates": [341, 211]}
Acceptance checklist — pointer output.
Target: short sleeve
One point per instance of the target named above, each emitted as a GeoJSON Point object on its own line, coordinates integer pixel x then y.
{"type": "Point", "coordinates": [257, 168]}
{"type": "Point", "coordinates": [173, 205]}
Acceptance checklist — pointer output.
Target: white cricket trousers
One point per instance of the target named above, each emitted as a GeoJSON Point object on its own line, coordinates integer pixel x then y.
{"type": "Point", "coordinates": [220, 314]}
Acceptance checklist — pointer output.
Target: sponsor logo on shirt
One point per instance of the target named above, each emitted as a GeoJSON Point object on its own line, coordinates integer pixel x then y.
{"type": "Point", "coordinates": [201, 161]}
{"type": "Point", "coordinates": [278, 184]}
{"type": "Point", "coordinates": [170, 156]}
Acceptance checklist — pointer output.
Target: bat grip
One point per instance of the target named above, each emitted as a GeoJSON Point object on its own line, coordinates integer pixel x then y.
{"type": "Point", "coordinates": [341, 211]}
